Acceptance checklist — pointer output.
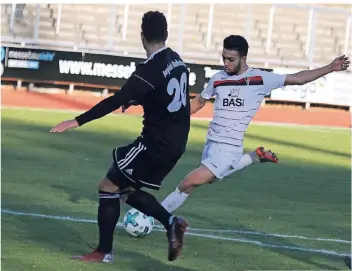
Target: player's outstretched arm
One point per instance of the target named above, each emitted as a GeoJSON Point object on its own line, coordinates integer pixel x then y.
{"type": "Point", "coordinates": [101, 109]}
{"type": "Point", "coordinates": [339, 64]}
{"type": "Point", "coordinates": [197, 103]}
{"type": "Point", "coordinates": [134, 90]}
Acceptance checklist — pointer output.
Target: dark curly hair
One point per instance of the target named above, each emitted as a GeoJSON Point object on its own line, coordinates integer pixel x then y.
{"type": "Point", "coordinates": [236, 43]}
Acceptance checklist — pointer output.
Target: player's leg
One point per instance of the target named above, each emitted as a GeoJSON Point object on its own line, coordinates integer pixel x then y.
{"type": "Point", "coordinates": [259, 155]}
{"type": "Point", "coordinates": [109, 209]}
{"type": "Point", "coordinates": [150, 206]}
{"type": "Point", "coordinates": [108, 216]}
{"type": "Point", "coordinates": [195, 178]}
{"type": "Point", "coordinates": [188, 184]}
{"type": "Point", "coordinates": [151, 176]}
{"type": "Point", "coordinates": [175, 226]}
{"type": "Point", "coordinates": [216, 159]}
{"type": "Point", "coordinates": [114, 188]}
{"type": "Point", "coordinates": [145, 168]}
{"type": "Point", "coordinates": [203, 174]}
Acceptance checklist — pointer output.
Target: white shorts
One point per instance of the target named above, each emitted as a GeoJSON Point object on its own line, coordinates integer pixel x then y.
{"type": "Point", "coordinates": [220, 157]}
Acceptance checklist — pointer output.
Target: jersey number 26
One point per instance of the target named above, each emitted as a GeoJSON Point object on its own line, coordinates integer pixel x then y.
{"type": "Point", "coordinates": [179, 88]}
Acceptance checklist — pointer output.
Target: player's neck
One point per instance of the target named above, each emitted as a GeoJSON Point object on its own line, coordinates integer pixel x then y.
{"type": "Point", "coordinates": [243, 69]}
{"type": "Point", "coordinates": [152, 48]}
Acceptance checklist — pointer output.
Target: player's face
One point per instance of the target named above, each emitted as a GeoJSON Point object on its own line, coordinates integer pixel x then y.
{"type": "Point", "coordinates": [232, 61]}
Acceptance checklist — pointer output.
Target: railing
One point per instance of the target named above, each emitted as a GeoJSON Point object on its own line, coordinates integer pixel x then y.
{"type": "Point", "coordinates": [270, 28]}
{"type": "Point", "coordinates": [211, 56]}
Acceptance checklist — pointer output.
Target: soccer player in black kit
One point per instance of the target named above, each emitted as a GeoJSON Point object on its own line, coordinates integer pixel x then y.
{"type": "Point", "coordinates": [160, 85]}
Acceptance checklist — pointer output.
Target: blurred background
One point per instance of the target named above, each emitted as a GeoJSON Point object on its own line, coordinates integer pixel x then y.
{"type": "Point", "coordinates": [94, 40]}
{"type": "Point", "coordinates": [278, 34]}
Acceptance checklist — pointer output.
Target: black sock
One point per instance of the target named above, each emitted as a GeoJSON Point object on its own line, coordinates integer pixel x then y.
{"type": "Point", "coordinates": [148, 204]}
{"type": "Point", "coordinates": [108, 215]}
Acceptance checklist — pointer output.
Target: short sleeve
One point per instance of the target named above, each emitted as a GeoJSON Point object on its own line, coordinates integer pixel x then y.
{"type": "Point", "coordinates": [273, 80]}
{"type": "Point", "coordinates": [209, 91]}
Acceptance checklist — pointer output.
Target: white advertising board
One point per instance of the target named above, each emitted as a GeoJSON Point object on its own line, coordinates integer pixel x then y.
{"type": "Point", "coordinates": [334, 89]}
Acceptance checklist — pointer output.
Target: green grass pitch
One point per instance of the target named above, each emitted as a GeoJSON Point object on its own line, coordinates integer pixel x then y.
{"type": "Point", "coordinates": [307, 194]}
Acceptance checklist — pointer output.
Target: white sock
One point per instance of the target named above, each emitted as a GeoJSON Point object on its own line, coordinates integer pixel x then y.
{"type": "Point", "coordinates": [174, 200]}
{"type": "Point", "coordinates": [246, 160]}
{"type": "Point", "coordinates": [171, 219]}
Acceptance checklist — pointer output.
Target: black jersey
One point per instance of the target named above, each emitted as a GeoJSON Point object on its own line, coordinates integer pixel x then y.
{"type": "Point", "coordinates": [160, 85]}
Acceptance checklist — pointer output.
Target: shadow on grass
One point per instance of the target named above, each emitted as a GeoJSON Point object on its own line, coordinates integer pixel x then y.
{"type": "Point", "coordinates": [55, 236]}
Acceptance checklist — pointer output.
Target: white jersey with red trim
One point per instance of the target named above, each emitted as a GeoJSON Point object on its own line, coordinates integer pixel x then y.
{"type": "Point", "coordinates": [238, 98]}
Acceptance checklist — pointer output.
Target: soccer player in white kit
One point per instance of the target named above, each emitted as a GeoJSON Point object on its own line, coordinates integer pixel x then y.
{"type": "Point", "coordinates": [239, 91]}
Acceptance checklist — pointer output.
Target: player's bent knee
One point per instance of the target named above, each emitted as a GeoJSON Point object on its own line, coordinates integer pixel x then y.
{"type": "Point", "coordinates": [197, 177]}
{"type": "Point", "coordinates": [205, 175]}
{"type": "Point", "coordinates": [107, 186]}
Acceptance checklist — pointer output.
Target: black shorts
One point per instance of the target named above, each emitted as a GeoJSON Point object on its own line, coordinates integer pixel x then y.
{"type": "Point", "coordinates": [137, 166]}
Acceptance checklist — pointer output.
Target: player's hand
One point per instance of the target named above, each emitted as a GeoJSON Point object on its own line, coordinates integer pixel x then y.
{"type": "Point", "coordinates": [126, 106]}
{"type": "Point", "coordinates": [65, 125]}
{"type": "Point", "coordinates": [340, 64]}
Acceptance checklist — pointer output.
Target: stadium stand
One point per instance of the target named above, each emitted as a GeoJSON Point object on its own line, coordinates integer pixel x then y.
{"type": "Point", "coordinates": [280, 42]}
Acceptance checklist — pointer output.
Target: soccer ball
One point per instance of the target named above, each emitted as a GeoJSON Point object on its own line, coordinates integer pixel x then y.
{"type": "Point", "coordinates": [137, 224]}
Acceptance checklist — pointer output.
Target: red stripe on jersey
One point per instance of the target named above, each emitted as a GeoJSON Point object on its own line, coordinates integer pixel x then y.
{"type": "Point", "coordinates": [254, 80]}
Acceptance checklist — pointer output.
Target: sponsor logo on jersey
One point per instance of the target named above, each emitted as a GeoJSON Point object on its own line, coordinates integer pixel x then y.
{"type": "Point", "coordinates": [233, 99]}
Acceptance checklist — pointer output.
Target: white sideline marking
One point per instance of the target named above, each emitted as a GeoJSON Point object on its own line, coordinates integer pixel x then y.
{"type": "Point", "coordinates": [274, 235]}
{"type": "Point", "coordinates": [209, 236]}
{"type": "Point", "coordinates": [261, 123]}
